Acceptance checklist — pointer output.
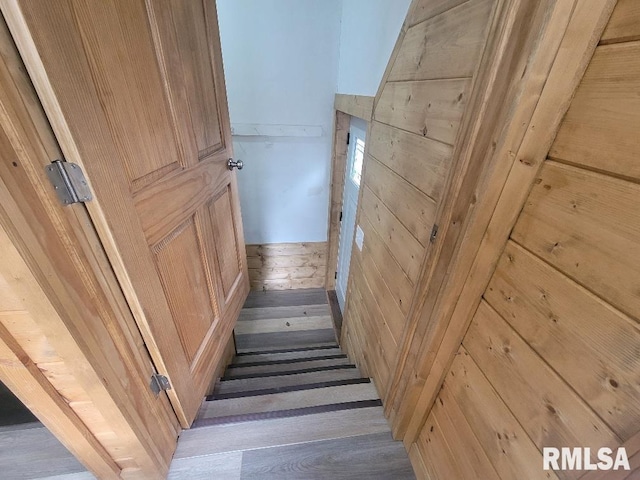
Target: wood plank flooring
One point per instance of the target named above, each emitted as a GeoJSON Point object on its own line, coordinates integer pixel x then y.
{"type": "Point", "coordinates": [31, 451]}
{"type": "Point", "coordinates": [291, 405]}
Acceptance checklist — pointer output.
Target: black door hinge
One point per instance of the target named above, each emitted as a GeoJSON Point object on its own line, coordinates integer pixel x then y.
{"type": "Point", "coordinates": [434, 233]}
{"type": "Point", "coordinates": [340, 216]}
{"type": "Point", "coordinates": [336, 276]}
{"type": "Point", "coordinates": [348, 137]}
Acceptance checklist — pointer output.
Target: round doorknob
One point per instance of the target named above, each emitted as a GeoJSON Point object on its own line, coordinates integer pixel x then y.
{"type": "Point", "coordinates": [235, 164]}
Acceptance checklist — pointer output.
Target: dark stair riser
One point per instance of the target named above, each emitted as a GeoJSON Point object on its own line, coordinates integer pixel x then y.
{"type": "Point", "coordinates": [294, 412]}
{"type": "Point", "coordinates": [287, 350]}
{"type": "Point", "coordinates": [286, 361]}
{"type": "Point", "coordinates": [287, 372]}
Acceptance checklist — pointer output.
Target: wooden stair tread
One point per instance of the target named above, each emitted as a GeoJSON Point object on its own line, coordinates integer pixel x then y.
{"type": "Point", "coordinates": [310, 296]}
{"type": "Point", "coordinates": [288, 400]}
{"type": "Point", "coordinates": [268, 313]}
{"type": "Point", "coordinates": [288, 413]}
{"type": "Point", "coordinates": [283, 325]}
{"type": "Point", "coordinates": [246, 384]}
{"type": "Point", "coordinates": [281, 431]}
{"type": "Point", "coordinates": [235, 371]}
{"type": "Point", "coordinates": [375, 456]}
{"type": "Point", "coordinates": [282, 339]}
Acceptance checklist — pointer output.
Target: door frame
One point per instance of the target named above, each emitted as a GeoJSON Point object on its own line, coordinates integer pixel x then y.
{"type": "Point", "coordinates": [357, 130]}
{"type": "Point", "coordinates": [345, 107]}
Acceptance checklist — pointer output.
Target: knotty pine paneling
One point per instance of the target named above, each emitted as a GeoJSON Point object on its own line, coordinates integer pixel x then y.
{"type": "Point", "coordinates": [551, 355]}
{"type": "Point", "coordinates": [600, 130]}
{"type": "Point", "coordinates": [409, 153]}
{"type": "Point", "coordinates": [456, 39]}
{"type": "Point", "coordinates": [285, 266]}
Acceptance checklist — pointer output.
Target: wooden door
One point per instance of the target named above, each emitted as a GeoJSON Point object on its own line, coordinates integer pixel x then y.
{"type": "Point", "coordinates": [135, 92]}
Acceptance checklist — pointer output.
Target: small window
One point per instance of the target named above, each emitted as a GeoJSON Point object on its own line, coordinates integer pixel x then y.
{"type": "Point", "coordinates": [356, 169]}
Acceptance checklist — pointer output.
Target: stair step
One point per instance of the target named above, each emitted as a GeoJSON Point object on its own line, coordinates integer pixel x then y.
{"type": "Point", "coordinates": [287, 413]}
{"type": "Point", "coordinates": [375, 456]}
{"type": "Point", "coordinates": [280, 431]}
{"type": "Point", "coordinates": [287, 400]}
{"type": "Point", "coordinates": [292, 388]}
{"type": "Point", "coordinates": [290, 370]}
{"type": "Point", "coordinates": [246, 384]}
{"type": "Point", "coordinates": [293, 356]}
{"type": "Point", "coordinates": [268, 313]}
{"type": "Point", "coordinates": [287, 348]}
{"type": "Point", "coordinates": [275, 368]}
{"type": "Point", "coordinates": [288, 361]}
{"type": "Point", "coordinates": [283, 325]}
{"type": "Point", "coordinates": [273, 298]}
{"type": "Point", "coordinates": [284, 339]}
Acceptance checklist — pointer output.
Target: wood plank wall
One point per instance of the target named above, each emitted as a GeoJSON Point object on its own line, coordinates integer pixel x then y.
{"type": "Point", "coordinates": [285, 266]}
{"type": "Point", "coordinates": [411, 142]}
{"type": "Point", "coordinates": [551, 356]}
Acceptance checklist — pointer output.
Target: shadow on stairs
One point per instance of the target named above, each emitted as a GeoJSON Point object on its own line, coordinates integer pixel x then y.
{"type": "Point", "coordinates": [290, 405]}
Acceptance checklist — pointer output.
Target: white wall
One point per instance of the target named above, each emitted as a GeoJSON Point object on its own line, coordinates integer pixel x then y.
{"type": "Point", "coordinates": [368, 34]}
{"type": "Point", "coordinates": [281, 68]}
{"type": "Point", "coordinates": [284, 61]}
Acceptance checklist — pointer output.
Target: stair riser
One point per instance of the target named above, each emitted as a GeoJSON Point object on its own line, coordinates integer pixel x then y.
{"type": "Point", "coordinates": [246, 384]}
{"type": "Point", "coordinates": [285, 361]}
{"type": "Point", "coordinates": [287, 349]}
{"type": "Point", "coordinates": [290, 371]}
{"type": "Point", "coordinates": [291, 388]}
{"type": "Point", "coordinates": [241, 359]}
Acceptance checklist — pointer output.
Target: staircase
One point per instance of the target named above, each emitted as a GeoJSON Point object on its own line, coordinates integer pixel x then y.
{"type": "Point", "coordinates": [291, 405]}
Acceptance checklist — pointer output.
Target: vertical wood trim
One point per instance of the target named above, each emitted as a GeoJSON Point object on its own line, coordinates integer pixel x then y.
{"type": "Point", "coordinates": [581, 35]}
{"type": "Point", "coordinates": [26, 381]}
{"type": "Point", "coordinates": [338, 166]}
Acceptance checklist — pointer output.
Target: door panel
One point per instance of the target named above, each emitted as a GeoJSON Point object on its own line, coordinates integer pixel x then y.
{"type": "Point", "coordinates": [181, 271]}
{"type": "Point", "coordinates": [135, 92]}
{"type": "Point", "coordinates": [130, 96]}
{"type": "Point", "coordinates": [187, 34]}
{"type": "Point", "coordinates": [224, 233]}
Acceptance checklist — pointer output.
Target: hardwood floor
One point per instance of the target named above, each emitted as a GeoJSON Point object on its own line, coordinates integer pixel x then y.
{"type": "Point", "coordinates": [290, 406]}
{"type": "Point", "coordinates": [30, 451]}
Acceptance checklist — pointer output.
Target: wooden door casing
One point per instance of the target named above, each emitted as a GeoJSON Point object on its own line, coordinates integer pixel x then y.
{"type": "Point", "coordinates": [135, 93]}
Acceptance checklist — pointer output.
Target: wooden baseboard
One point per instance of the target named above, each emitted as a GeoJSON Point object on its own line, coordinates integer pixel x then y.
{"type": "Point", "coordinates": [285, 266]}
